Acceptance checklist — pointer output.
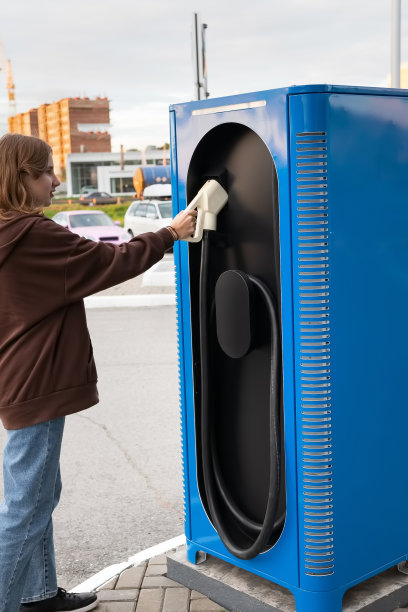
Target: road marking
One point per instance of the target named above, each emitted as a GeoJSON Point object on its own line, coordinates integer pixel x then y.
{"type": "Point", "coordinates": [102, 577]}
{"type": "Point", "coordinates": [130, 301]}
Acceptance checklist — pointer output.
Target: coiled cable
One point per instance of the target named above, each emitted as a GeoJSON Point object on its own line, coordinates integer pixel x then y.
{"type": "Point", "coordinates": [260, 536]}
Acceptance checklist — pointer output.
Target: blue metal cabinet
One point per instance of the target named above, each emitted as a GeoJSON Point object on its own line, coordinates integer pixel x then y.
{"type": "Point", "coordinates": [341, 159]}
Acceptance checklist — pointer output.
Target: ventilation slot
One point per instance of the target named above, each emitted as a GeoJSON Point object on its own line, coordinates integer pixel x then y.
{"type": "Point", "coordinates": [180, 397]}
{"type": "Point", "coordinates": [314, 353]}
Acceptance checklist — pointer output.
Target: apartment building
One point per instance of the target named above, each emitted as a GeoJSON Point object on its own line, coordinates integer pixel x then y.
{"type": "Point", "coordinates": [24, 123]}
{"type": "Point", "coordinates": [72, 125]}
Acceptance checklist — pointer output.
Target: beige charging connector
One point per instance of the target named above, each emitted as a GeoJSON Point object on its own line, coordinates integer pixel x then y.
{"type": "Point", "coordinates": [209, 201]}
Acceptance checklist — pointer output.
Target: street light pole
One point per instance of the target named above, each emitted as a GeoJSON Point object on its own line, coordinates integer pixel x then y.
{"type": "Point", "coordinates": [196, 57]}
{"type": "Point", "coordinates": [204, 26]}
{"type": "Point", "coordinates": [395, 43]}
{"type": "Point", "coordinates": [199, 58]}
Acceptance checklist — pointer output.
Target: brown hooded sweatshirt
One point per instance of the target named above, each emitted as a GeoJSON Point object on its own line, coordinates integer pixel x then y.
{"type": "Point", "coordinates": [47, 368]}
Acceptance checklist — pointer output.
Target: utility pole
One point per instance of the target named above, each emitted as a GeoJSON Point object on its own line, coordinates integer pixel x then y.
{"type": "Point", "coordinates": [199, 59]}
{"type": "Point", "coordinates": [122, 167]}
{"type": "Point", "coordinates": [196, 58]}
{"type": "Point", "coordinates": [204, 59]}
{"type": "Point", "coordinates": [395, 43]}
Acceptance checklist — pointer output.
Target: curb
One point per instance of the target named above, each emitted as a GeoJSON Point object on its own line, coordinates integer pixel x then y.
{"type": "Point", "coordinates": [102, 577]}
{"type": "Point", "coordinates": [130, 301]}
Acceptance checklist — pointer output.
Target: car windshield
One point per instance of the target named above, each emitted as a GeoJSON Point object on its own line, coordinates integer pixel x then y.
{"type": "Point", "coordinates": [165, 209]}
{"type": "Point", "coordinates": [90, 219]}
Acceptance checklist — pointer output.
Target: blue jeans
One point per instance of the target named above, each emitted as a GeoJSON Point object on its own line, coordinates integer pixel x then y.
{"type": "Point", "coordinates": [32, 488]}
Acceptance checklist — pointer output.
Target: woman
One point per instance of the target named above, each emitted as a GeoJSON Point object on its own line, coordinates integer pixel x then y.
{"type": "Point", "coordinates": [47, 370]}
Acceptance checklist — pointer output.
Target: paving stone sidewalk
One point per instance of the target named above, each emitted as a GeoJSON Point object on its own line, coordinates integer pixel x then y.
{"type": "Point", "coordinates": [146, 588]}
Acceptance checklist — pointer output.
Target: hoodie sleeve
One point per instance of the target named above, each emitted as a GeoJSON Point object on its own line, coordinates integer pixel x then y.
{"type": "Point", "coordinates": [94, 266]}
{"type": "Point", "coordinates": [67, 267]}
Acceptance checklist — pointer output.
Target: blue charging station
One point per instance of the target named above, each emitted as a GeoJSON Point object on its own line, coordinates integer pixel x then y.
{"type": "Point", "coordinates": [304, 427]}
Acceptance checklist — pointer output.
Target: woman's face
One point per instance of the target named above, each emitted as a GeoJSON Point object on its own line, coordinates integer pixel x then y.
{"type": "Point", "coordinates": [42, 189]}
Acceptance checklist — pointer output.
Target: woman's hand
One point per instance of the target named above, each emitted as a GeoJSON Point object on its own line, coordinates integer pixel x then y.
{"type": "Point", "coordinates": [184, 223]}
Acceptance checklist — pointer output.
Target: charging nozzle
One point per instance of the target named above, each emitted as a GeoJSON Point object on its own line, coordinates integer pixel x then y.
{"type": "Point", "coordinates": [209, 201]}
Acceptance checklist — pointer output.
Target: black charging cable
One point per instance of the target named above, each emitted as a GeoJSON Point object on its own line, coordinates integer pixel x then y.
{"type": "Point", "coordinates": [260, 536]}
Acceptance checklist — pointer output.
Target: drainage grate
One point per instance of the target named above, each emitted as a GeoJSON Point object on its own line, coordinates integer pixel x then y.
{"type": "Point", "coordinates": [314, 355]}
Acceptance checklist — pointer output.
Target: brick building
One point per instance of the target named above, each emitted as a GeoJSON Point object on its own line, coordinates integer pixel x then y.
{"type": "Point", "coordinates": [72, 125]}
{"type": "Point", "coordinates": [24, 123]}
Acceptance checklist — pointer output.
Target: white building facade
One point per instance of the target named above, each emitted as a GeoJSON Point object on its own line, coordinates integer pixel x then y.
{"type": "Point", "coordinates": [110, 172]}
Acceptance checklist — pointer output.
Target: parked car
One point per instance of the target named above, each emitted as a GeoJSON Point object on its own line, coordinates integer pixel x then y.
{"type": "Point", "coordinates": [88, 189]}
{"type": "Point", "coordinates": [97, 197]}
{"type": "Point", "coordinates": [157, 192]}
{"type": "Point", "coordinates": [147, 216]}
{"type": "Point", "coordinates": [95, 225]}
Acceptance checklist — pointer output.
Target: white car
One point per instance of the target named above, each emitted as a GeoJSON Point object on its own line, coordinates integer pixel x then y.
{"type": "Point", "coordinates": [157, 192]}
{"type": "Point", "coordinates": [147, 216]}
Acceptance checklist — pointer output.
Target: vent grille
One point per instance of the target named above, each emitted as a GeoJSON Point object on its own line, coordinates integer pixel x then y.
{"type": "Point", "coordinates": [183, 429]}
{"type": "Point", "coordinates": [314, 355]}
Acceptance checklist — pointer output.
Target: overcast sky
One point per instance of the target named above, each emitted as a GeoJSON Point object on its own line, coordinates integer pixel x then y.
{"type": "Point", "coordinates": [138, 52]}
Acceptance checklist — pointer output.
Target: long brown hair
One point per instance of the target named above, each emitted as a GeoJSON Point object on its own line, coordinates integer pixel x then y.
{"type": "Point", "coordinates": [19, 156]}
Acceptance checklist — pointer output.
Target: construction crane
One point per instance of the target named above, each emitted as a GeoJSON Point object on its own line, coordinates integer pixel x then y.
{"type": "Point", "coordinates": [5, 66]}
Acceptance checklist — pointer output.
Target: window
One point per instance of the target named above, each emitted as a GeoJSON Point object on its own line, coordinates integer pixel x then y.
{"type": "Point", "coordinates": [90, 219]}
{"type": "Point", "coordinates": [132, 209]}
{"type": "Point", "coordinates": [122, 185]}
{"type": "Point", "coordinates": [61, 219]}
{"type": "Point", "coordinates": [141, 210]}
{"type": "Point", "coordinates": [151, 212]}
{"type": "Point", "coordinates": [165, 209]}
{"type": "Point", "coordinates": [83, 175]}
